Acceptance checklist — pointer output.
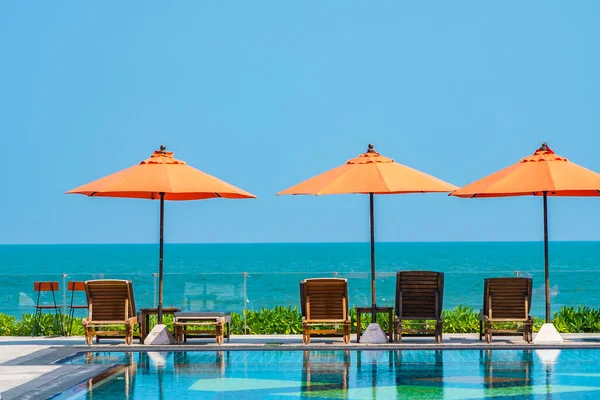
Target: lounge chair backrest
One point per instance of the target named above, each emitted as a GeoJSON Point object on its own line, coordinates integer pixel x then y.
{"type": "Point", "coordinates": [419, 294]}
{"type": "Point", "coordinates": [328, 298]}
{"type": "Point", "coordinates": [510, 297]}
{"type": "Point", "coordinates": [110, 300]}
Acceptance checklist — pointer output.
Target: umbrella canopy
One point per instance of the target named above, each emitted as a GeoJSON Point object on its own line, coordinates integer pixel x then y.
{"type": "Point", "coordinates": [370, 173]}
{"type": "Point", "coordinates": [161, 177]}
{"type": "Point", "coordinates": [161, 173]}
{"type": "Point", "coordinates": [542, 174]}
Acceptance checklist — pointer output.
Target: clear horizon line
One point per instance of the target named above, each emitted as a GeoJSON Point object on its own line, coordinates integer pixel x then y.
{"type": "Point", "coordinates": [294, 242]}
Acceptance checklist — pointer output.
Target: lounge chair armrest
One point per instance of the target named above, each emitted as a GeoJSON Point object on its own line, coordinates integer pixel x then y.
{"type": "Point", "coordinates": [482, 316]}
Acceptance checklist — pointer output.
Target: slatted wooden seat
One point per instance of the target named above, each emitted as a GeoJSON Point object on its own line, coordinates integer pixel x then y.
{"type": "Point", "coordinates": [324, 304]}
{"type": "Point", "coordinates": [110, 304]}
{"type": "Point", "coordinates": [419, 297]}
{"type": "Point", "coordinates": [506, 300]}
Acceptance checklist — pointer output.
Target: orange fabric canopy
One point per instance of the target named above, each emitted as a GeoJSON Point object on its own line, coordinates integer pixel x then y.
{"type": "Point", "coordinates": [370, 173]}
{"type": "Point", "coordinates": [161, 173]}
{"type": "Point", "coordinates": [541, 172]}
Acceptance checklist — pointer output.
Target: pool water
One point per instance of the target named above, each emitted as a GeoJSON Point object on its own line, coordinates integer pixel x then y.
{"type": "Point", "coordinates": [344, 374]}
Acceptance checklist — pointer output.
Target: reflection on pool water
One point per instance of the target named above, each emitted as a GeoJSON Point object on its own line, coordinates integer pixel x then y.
{"type": "Point", "coordinates": [345, 374]}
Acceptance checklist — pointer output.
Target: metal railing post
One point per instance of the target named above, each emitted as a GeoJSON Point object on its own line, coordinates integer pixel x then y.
{"type": "Point", "coordinates": [64, 306]}
{"type": "Point", "coordinates": [245, 275]}
{"type": "Point", "coordinates": [64, 292]}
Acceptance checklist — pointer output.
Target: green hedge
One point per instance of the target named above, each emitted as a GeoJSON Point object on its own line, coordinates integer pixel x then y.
{"type": "Point", "coordinates": [288, 320]}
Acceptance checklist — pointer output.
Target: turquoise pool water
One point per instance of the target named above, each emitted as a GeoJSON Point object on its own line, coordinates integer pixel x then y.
{"type": "Point", "coordinates": [345, 374]}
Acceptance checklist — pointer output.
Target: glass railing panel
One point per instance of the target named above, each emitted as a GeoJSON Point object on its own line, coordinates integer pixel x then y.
{"type": "Point", "coordinates": [205, 292]}
{"type": "Point", "coordinates": [254, 290]}
{"type": "Point", "coordinates": [277, 288]}
{"type": "Point", "coordinates": [18, 297]}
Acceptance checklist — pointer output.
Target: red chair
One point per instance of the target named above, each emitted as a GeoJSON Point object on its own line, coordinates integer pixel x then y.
{"type": "Point", "coordinates": [40, 287]}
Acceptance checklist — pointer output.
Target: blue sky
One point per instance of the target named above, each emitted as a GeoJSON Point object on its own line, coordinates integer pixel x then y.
{"type": "Point", "coordinates": [266, 94]}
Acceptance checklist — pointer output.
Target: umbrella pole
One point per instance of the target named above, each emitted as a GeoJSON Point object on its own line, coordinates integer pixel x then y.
{"type": "Point", "coordinates": [160, 258]}
{"type": "Point", "coordinates": [546, 269]}
{"type": "Point", "coordinates": [373, 297]}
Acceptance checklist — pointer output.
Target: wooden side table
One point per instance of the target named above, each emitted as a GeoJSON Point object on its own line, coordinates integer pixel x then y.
{"type": "Point", "coordinates": [145, 319]}
{"type": "Point", "coordinates": [187, 324]}
{"type": "Point", "coordinates": [378, 310]}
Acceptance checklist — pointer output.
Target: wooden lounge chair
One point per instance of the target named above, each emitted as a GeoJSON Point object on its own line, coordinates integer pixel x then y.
{"type": "Point", "coordinates": [110, 304]}
{"type": "Point", "coordinates": [324, 303]}
{"type": "Point", "coordinates": [419, 297]}
{"type": "Point", "coordinates": [506, 300]}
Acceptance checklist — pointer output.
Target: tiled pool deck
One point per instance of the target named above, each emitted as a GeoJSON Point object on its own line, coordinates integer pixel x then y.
{"type": "Point", "coordinates": [28, 369]}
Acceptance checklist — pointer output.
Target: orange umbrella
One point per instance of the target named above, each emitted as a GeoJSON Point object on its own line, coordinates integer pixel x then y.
{"type": "Point", "coordinates": [541, 174]}
{"type": "Point", "coordinates": [370, 173]}
{"type": "Point", "coordinates": [161, 177]}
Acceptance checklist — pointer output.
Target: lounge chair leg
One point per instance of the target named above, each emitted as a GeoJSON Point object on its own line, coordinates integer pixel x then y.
{"type": "Point", "coordinates": [89, 335]}
{"type": "Point", "coordinates": [399, 332]}
{"type": "Point", "coordinates": [128, 334]}
{"type": "Point", "coordinates": [306, 335]}
{"type": "Point", "coordinates": [219, 333]}
{"type": "Point", "coordinates": [531, 333]}
{"type": "Point", "coordinates": [347, 334]}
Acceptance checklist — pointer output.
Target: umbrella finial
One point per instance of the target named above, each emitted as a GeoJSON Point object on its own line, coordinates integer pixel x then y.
{"type": "Point", "coordinates": [544, 148]}
{"type": "Point", "coordinates": [163, 148]}
{"type": "Point", "coordinates": [371, 148]}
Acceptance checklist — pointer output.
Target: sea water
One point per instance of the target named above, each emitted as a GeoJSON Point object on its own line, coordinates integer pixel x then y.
{"type": "Point", "coordinates": [234, 277]}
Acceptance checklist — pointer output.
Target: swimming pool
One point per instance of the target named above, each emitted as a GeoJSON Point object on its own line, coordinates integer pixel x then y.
{"type": "Point", "coordinates": [344, 374]}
